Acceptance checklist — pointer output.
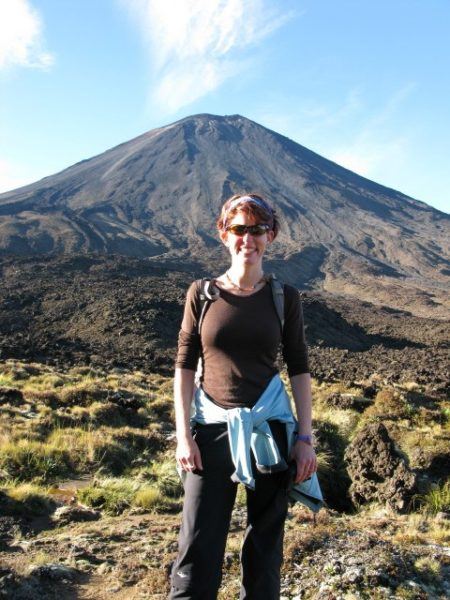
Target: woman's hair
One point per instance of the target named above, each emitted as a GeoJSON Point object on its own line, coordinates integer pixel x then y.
{"type": "Point", "coordinates": [251, 204]}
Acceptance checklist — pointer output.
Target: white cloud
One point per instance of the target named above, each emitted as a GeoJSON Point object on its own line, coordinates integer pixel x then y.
{"type": "Point", "coordinates": [21, 38]}
{"type": "Point", "coordinates": [196, 45]}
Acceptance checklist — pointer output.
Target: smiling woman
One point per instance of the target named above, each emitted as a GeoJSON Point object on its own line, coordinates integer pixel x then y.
{"type": "Point", "coordinates": [240, 402]}
{"type": "Point", "coordinates": [247, 225]}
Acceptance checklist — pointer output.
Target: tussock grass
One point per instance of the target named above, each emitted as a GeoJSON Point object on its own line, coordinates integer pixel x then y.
{"type": "Point", "coordinates": [86, 420]}
{"type": "Point", "coordinates": [388, 404]}
{"type": "Point", "coordinates": [346, 420]}
{"type": "Point", "coordinates": [164, 476]}
{"type": "Point", "coordinates": [44, 382]}
{"type": "Point", "coordinates": [82, 394]}
{"type": "Point", "coordinates": [42, 558]}
{"type": "Point", "coordinates": [423, 444]}
{"type": "Point", "coordinates": [6, 380]}
{"type": "Point", "coordinates": [26, 499]}
{"type": "Point", "coordinates": [422, 528]}
{"type": "Point", "coordinates": [428, 568]}
{"type": "Point", "coordinates": [92, 449]}
{"type": "Point", "coordinates": [148, 498]}
{"type": "Point", "coordinates": [80, 415]}
{"type": "Point", "coordinates": [437, 499]}
{"type": "Point", "coordinates": [321, 391]}
{"type": "Point", "coordinates": [112, 450]}
{"type": "Point", "coordinates": [29, 460]}
{"type": "Point", "coordinates": [241, 495]}
{"type": "Point", "coordinates": [114, 495]}
{"type": "Point", "coordinates": [106, 413]}
{"type": "Point", "coordinates": [161, 409]}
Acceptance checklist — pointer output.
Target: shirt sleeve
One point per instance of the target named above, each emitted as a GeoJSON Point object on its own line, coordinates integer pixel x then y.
{"type": "Point", "coordinates": [188, 338]}
{"type": "Point", "coordinates": [295, 351]}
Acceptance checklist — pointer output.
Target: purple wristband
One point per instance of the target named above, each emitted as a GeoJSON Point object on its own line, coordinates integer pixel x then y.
{"type": "Point", "coordinates": [308, 439]}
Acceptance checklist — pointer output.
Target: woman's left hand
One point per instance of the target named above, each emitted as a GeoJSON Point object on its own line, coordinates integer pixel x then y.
{"type": "Point", "coordinates": [306, 460]}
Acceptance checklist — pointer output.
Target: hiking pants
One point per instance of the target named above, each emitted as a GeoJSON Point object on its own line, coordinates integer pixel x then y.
{"type": "Point", "coordinates": [208, 503]}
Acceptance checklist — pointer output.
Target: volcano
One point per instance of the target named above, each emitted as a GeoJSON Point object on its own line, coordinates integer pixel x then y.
{"type": "Point", "coordinates": [157, 197]}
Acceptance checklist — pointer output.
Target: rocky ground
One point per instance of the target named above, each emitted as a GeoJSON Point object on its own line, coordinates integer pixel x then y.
{"type": "Point", "coordinates": [125, 312]}
{"type": "Point", "coordinates": [369, 556]}
{"type": "Point", "coordinates": [89, 501]}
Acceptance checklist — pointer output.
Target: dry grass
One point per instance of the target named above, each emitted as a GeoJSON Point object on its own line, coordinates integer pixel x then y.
{"type": "Point", "coordinates": [147, 497]}
{"type": "Point", "coordinates": [27, 499]}
{"type": "Point", "coordinates": [388, 404]}
{"type": "Point", "coordinates": [419, 528]}
{"type": "Point", "coordinates": [73, 423]}
{"type": "Point", "coordinates": [33, 461]}
{"type": "Point", "coordinates": [346, 420]}
{"type": "Point", "coordinates": [113, 495]}
{"type": "Point", "coordinates": [437, 499]}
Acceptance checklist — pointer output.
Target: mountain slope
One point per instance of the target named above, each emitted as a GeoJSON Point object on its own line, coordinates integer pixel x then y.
{"type": "Point", "coordinates": [159, 195]}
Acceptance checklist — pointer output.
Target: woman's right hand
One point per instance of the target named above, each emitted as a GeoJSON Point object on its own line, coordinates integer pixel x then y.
{"type": "Point", "coordinates": [188, 454]}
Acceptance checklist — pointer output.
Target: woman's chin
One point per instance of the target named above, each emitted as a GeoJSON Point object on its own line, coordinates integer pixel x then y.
{"type": "Point", "coordinates": [250, 257]}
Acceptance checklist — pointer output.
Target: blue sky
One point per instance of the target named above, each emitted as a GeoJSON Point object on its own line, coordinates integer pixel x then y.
{"type": "Point", "coordinates": [364, 83]}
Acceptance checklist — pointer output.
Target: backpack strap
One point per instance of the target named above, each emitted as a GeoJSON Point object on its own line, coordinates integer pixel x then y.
{"type": "Point", "coordinates": [278, 298]}
{"type": "Point", "coordinates": [208, 293]}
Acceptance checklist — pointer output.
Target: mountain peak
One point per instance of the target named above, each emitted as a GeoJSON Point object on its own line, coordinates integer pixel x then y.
{"type": "Point", "coordinates": [159, 194]}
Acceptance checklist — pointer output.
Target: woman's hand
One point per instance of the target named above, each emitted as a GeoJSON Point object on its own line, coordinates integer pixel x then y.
{"type": "Point", "coordinates": [188, 454]}
{"type": "Point", "coordinates": [306, 460]}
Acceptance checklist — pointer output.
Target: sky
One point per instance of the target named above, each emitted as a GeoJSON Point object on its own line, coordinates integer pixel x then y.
{"type": "Point", "coordinates": [363, 83]}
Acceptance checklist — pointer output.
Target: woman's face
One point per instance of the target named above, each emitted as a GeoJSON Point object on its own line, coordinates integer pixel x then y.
{"type": "Point", "coordinates": [247, 249]}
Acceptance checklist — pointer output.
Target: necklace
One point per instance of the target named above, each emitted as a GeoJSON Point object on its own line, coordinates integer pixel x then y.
{"type": "Point", "coordinates": [242, 289]}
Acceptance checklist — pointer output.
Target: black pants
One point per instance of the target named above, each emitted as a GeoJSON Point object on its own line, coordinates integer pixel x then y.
{"type": "Point", "coordinates": [209, 500]}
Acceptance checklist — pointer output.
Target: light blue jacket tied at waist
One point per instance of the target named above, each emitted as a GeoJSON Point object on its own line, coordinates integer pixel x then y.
{"type": "Point", "coordinates": [248, 430]}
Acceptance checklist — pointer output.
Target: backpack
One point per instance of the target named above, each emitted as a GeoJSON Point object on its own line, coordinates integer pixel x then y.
{"type": "Point", "coordinates": [210, 293]}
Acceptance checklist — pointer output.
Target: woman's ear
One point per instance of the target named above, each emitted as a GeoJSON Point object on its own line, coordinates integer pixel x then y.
{"type": "Point", "coordinates": [224, 237]}
{"type": "Point", "coordinates": [270, 236]}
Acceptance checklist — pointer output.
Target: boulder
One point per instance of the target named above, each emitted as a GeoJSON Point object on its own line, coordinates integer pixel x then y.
{"type": "Point", "coordinates": [53, 571]}
{"type": "Point", "coordinates": [378, 471]}
{"type": "Point", "coordinates": [73, 514]}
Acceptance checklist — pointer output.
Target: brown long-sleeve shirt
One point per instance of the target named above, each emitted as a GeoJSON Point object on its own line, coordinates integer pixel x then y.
{"type": "Point", "coordinates": [240, 337]}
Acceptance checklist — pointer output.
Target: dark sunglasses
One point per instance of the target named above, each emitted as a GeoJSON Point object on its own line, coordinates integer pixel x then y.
{"type": "Point", "coordinates": [241, 230]}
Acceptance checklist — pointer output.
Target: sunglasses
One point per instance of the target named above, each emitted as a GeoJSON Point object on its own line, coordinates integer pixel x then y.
{"type": "Point", "coordinates": [255, 230]}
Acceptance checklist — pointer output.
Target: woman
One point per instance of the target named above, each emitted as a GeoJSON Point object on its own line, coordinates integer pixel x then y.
{"type": "Point", "coordinates": [238, 342]}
